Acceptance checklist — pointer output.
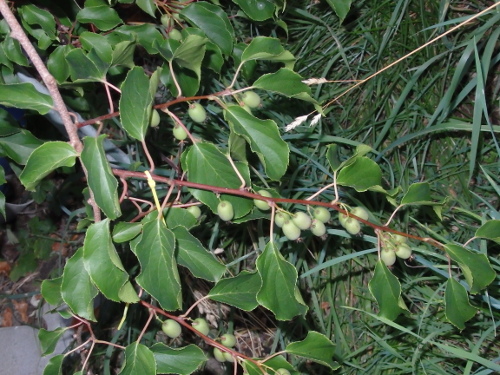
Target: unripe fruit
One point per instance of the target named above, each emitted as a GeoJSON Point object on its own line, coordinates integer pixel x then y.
{"type": "Point", "coordinates": [302, 220]}
{"type": "Point", "coordinates": [403, 251]}
{"type": "Point", "coordinates": [262, 205]}
{"type": "Point", "coordinates": [225, 210]}
{"type": "Point", "coordinates": [343, 218]}
{"type": "Point", "coordinates": [251, 99]}
{"type": "Point", "coordinates": [179, 133]}
{"type": "Point", "coordinates": [175, 34]}
{"type": "Point", "coordinates": [280, 218]}
{"type": "Point", "coordinates": [388, 257]}
{"type": "Point", "coordinates": [195, 211]}
{"type": "Point", "coordinates": [282, 371]}
{"type": "Point", "coordinates": [228, 357]}
{"type": "Point", "coordinates": [219, 355]}
{"type": "Point", "coordinates": [171, 328]}
{"type": "Point", "coordinates": [155, 119]}
{"type": "Point", "coordinates": [201, 326]}
{"type": "Point", "coordinates": [166, 20]}
{"type": "Point", "coordinates": [360, 212]}
{"type": "Point", "coordinates": [246, 108]}
{"type": "Point", "coordinates": [352, 226]}
{"type": "Point", "coordinates": [197, 113]}
{"type": "Point", "coordinates": [398, 239]}
{"type": "Point", "coordinates": [318, 228]}
{"type": "Point", "coordinates": [290, 230]}
{"type": "Point", "coordinates": [322, 214]}
{"type": "Point", "coordinates": [228, 340]}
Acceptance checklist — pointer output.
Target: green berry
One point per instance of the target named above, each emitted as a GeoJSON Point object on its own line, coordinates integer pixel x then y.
{"type": "Point", "coordinates": [166, 20]}
{"type": "Point", "coordinates": [195, 211]}
{"type": "Point", "coordinates": [360, 212]}
{"type": "Point", "coordinates": [171, 328]}
{"type": "Point", "coordinates": [399, 239]}
{"type": "Point", "coordinates": [403, 251]}
{"type": "Point", "coordinates": [318, 228]}
{"type": "Point", "coordinates": [302, 220]}
{"type": "Point", "coordinates": [201, 326]}
{"type": "Point", "coordinates": [282, 371]}
{"type": "Point", "coordinates": [262, 205]}
{"type": "Point", "coordinates": [322, 214]}
{"type": "Point", "coordinates": [228, 357]}
{"type": "Point", "coordinates": [251, 99]}
{"type": "Point", "coordinates": [179, 133]}
{"type": "Point", "coordinates": [228, 340]}
{"type": "Point", "coordinates": [219, 355]}
{"type": "Point", "coordinates": [175, 35]}
{"type": "Point", "coordinates": [280, 218]}
{"type": "Point", "coordinates": [155, 119]}
{"type": "Point", "coordinates": [343, 218]}
{"type": "Point", "coordinates": [225, 210]}
{"type": "Point", "coordinates": [352, 226]}
{"type": "Point", "coordinates": [388, 257]}
{"type": "Point", "coordinates": [197, 113]}
{"type": "Point", "coordinates": [290, 230]}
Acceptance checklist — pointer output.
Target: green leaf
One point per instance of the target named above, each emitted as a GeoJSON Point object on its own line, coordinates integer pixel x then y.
{"type": "Point", "coordinates": [146, 35]}
{"type": "Point", "coordinates": [103, 263]}
{"type": "Point", "coordinates": [192, 255]}
{"type": "Point", "coordinates": [176, 216]}
{"type": "Point", "coordinates": [315, 347]}
{"type": "Point", "coordinates": [77, 289]}
{"type": "Point", "coordinates": [86, 67]}
{"type": "Point", "coordinates": [99, 43]}
{"type": "Point", "coordinates": [458, 309]}
{"type": "Point", "coordinates": [257, 10]}
{"type": "Point", "coordinates": [332, 155]}
{"type": "Point", "coordinates": [190, 53]}
{"type": "Point", "coordinates": [45, 159]}
{"type": "Point", "coordinates": [341, 8]}
{"type": "Point", "coordinates": [45, 25]}
{"type": "Point", "coordinates": [139, 360]}
{"type": "Point", "coordinates": [279, 279]}
{"type": "Point", "coordinates": [2, 205]}
{"type": "Point", "coordinates": [147, 6]}
{"type": "Point", "coordinates": [490, 230]}
{"type": "Point", "coordinates": [206, 164]}
{"type": "Point", "coordinates": [285, 82]}
{"type": "Point", "coordinates": [361, 175]}
{"type": "Point", "coordinates": [25, 96]}
{"type": "Point", "coordinates": [265, 48]}
{"type": "Point", "coordinates": [159, 276]}
{"type": "Point", "coordinates": [13, 51]}
{"type": "Point", "coordinates": [263, 137]}
{"type": "Point", "coordinates": [476, 267]}
{"type": "Point", "coordinates": [418, 193]}
{"type": "Point", "coordinates": [183, 361]}
{"type": "Point", "coordinates": [100, 14]}
{"type": "Point", "coordinates": [124, 231]}
{"type": "Point", "coordinates": [51, 291]}
{"type": "Point", "coordinates": [58, 65]}
{"type": "Point", "coordinates": [239, 291]}
{"type": "Point", "coordinates": [54, 367]}
{"type": "Point", "coordinates": [213, 21]}
{"type": "Point", "coordinates": [386, 289]}
{"type": "Point", "coordinates": [19, 146]}
{"type": "Point", "coordinates": [48, 339]}
{"type": "Point", "coordinates": [100, 177]}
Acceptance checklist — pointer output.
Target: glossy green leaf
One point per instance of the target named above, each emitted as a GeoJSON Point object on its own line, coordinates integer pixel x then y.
{"type": "Point", "coordinates": [315, 347]}
{"type": "Point", "coordinates": [386, 289]}
{"type": "Point", "coordinates": [100, 14]}
{"type": "Point", "coordinates": [147, 6]}
{"type": "Point", "coordinates": [285, 82]}
{"type": "Point", "coordinates": [213, 21]}
{"type": "Point", "coordinates": [86, 67]}
{"type": "Point", "coordinates": [458, 309]}
{"type": "Point", "coordinates": [206, 164]}
{"type": "Point", "coordinates": [2, 206]}
{"type": "Point", "coordinates": [100, 177]}
{"type": "Point", "coordinates": [99, 43]}
{"type": "Point", "coordinates": [103, 263]}
{"type": "Point", "coordinates": [190, 53]}
{"type": "Point", "coordinates": [176, 216]}
{"type": "Point", "coordinates": [19, 146]}
{"type": "Point", "coordinates": [489, 230]}
{"type": "Point", "coordinates": [13, 51]}
{"type": "Point", "coordinates": [279, 279]}
{"type": "Point", "coordinates": [48, 339]}
{"type": "Point", "coordinates": [77, 289]}
{"type": "Point", "coordinates": [341, 8]}
{"type": "Point", "coordinates": [263, 137]}
{"type": "Point", "coordinates": [192, 255]}
{"type": "Point", "coordinates": [8, 124]}
{"type": "Point", "coordinates": [39, 23]}
{"type": "Point", "coordinates": [25, 96]}
{"type": "Point", "coordinates": [265, 48]}
{"type": "Point", "coordinates": [476, 267]}
{"type": "Point", "coordinates": [239, 291]}
{"type": "Point", "coordinates": [123, 54]}
{"type": "Point", "coordinates": [45, 159]}
{"type": "Point", "coordinates": [159, 276]}
{"type": "Point", "coordinates": [278, 362]}
{"type": "Point", "coordinates": [146, 35]}
{"type": "Point", "coordinates": [418, 193]}
{"type": "Point", "coordinates": [124, 231]}
{"type": "Point", "coordinates": [54, 366]}
{"type": "Point", "coordinates": [332, 155]}
{"type": "Point", "coordinates": [51, 291]}
{"type": "Point", "coordinates": [257, 10]}
{"type": "Point", "coordinates": [139, 360]}
{"type": "Point", "coordinates": [183, 361]}
{"type": "Point", "coordinates": [58, 65]}
{"type": "Point", "coordinates": [361, 175]}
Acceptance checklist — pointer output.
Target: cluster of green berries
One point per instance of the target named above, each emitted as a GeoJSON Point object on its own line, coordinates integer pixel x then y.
{"type": "Point", "coordinates": [350, 224]}
{"type": "Point", "coordinates": [293, 224]}
{"type": "Point", "coordinates": [394, 246]}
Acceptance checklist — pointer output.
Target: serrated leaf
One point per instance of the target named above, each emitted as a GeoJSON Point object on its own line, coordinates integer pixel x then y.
{"type": "Point", "coordinates": [48, 339]}
{"type": "Point", "coordinates": [139, 360]}
{"type": "Point", "coordinates": [458, 309]}
{"type": "Point", "coordinates": [45, 159]}
{"type": "Point", "coordinates": [103, 263]}
{"type": "Point", "coordinates": [77, 289]}
{"type": "Point", "coordinates": [100, 14]}
{"type": "Point", "coordinates": [265, 48]}
{"type": "Point", "coordinates": [13, 51]}
{"type": "Point", "coordinates": [341, 8]}
{"type": "Point", "coordinates": [146, 35]}
{"type": "Point", "coordinates": [19, 146]}
{"type": "Point", "coordinates": [213, 21]}
{"type": "Point", "coordinates": [285, 82]}
{"type": "Point", "coordinates": [192, 255]}
{"type": "Point", "coordinates": [183, 361]}
{"type": "Point", "coordinates": [176, 216]}
{"type": "Point", "coordinates": [159, 276]}
{"type": "Point", "coordinates": [147, 6]}
{"type": "Point", "coordinates": [100, 177]}
{"type": "Point", "coordinates": [476, 267]}
{"type": "Point", "coordinates": [58, 65]}
{"type": "Point", "coordinates": [124, 231]}
{"type": "Point", "coordinates": [239, 291]}
{"type": "Point", "coordinates": [54, 366]}
{"type": "Point", "coordinates": [263, 137]}
{"type": "Point", "coordinates": [99, 43]}
{"type": "Point", "coordinates": [257, 10]}
{"type": "Point", "coordinates": [190, 53]}
{"type": "Point", "coordinates": [86, 67]}
{"type": "Point", "coordinates": [419, 194]}
{"type": "Point", "coordinates": [315, 347]}
{"type": "Point", "coordinates": [361, 175]}
{"type": "Point", "coordinates": [279, 280]}
{"type": "Point", "coordinates": [25, 96]}
{"type": "Point", "coordinates": [489, 230]}
{"type": "Point", "coordinates": [51, 291]}
{"type": "Point", "coordinates": [386, 289]}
